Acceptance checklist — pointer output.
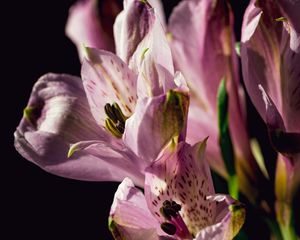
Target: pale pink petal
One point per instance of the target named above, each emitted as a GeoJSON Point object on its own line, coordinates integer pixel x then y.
{"type": "Point", "coordinates": [230, 216]}
{"type": "Point", "coordinates": [103, 161]}
{"type": "Point", "coordinates": [182, 175]}
{"type": "Point", "coordinates": [155, 121]}
{"type": "Point", "coordinates": [89, 26]}
{"type": "Point", "coordinates": [159, 10]}
{"type": "Point", "coordinates": [107, 79]}
{"type": "Point", "coordinates": [130, 217]}
{"type": "Point", "coordinates": [141, 42]}
{"type": "Point", "coordinates": [154, 62]}
{"type": "Point", "coordinates": [131, 26]}
{"type": "Point", "coordinates": [57, 116]}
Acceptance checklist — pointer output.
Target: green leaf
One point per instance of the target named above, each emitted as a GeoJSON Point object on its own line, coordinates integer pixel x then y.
{"type": "Point", "coordinates": [255, 148]}
{"type": "Point", "coordinates": [225, 139]}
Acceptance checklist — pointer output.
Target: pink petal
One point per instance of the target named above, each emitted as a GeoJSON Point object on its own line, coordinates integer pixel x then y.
{"type": "Point", "coordinates": [107, 79]}
{"type": "Point", "coordinates": [130, 216]}
{"type": "Point", "coordinates": [56, 116]}
{"type": "Point", "coordinates": [275, 54]}
{"type": "Point", "coordinates": [87, 26]}
{"type": "Point", "coordinates": [181, 174]}
{"type": "Point", "coordinates": [291, 9]}
{"type": "Point", "coordinates": [201, 125]}
{"type": "Point", "coordinates": [272, 116]}
{"type": "Point", "coordinates": [204, 62]}
{"type": "Point", "coordinates": [141, 42]}
{"type": "Point", "coordinates": [154, 62]}
{"type": "Point", "coordinates": [155, 121]}
{"type": "Point", "coordinates": [131, 27]}
{"type": "Point", "coordinates": [230, 216]}
{"type": "Point", "coordinates": [159, 10]}
{"type": "Point", "coordinates": [103, 162]}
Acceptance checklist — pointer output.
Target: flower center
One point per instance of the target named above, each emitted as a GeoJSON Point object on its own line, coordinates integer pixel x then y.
{"type": "Point", "coordinates": [174, 224]}
{"type": "Point", "coordinates": [115, 121]}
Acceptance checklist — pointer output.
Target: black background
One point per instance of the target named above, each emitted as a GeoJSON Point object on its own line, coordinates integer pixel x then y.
{"type": "Point", "coordinates": [38, 205]}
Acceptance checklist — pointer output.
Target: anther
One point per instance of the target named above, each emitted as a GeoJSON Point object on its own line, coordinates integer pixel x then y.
{"type": "Point", "coordinates": [168, 228]}
{"type": "Point", "coordinates": [115, 121]}
{"type": "Point", "coordinates": [170, 209]}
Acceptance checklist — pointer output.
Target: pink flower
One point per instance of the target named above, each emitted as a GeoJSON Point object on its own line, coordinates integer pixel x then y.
{"type": "Point", "coordinates": [113, 122]}
{"type": "Point", "coordinates": [179, 201]}
{"type": "Point", "coordinates": [90, 22]}
{"type": "Point", "coordinates": [203, 47]}
{"type": "Point", "coordinates": [270, 59]}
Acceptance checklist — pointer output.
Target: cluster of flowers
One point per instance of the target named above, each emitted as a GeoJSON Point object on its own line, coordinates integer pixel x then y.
{"type": "Point", "coordinates": [132, 118]}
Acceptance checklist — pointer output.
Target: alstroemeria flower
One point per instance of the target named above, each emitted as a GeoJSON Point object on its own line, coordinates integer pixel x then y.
{"type": "Point", "coordinates": [114, 129]}
{"type": "Point", "coordinates": [206, 57]}
{"type": "Point", "coordinates": [90, 23]}
{"type": "Point", "coordinates": [179, 201]}
{"type": "Point", "coordinates": [270, 53]}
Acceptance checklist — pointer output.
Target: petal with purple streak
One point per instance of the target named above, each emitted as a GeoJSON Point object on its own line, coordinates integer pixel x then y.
{"type": "Point", "coordinates": [107, 79]}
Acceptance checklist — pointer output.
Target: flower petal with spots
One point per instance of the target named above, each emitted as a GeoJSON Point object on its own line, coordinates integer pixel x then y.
{"type": "Point", "coordinates": [107, 79]}
{"type": "Point", "coordinates": [182, 175]}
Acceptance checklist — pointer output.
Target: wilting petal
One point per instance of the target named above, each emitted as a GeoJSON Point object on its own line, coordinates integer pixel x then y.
{"type": "Point", "coordinates": [271, 46]}
{"type": "Point", "coordinates": [107, 79]}
{"type": "Point", "coordinates": [228, 221]}
{"type": "Point", "coordinates": [89, 26]}
{"type": "Point", "coordinates": [56, 116]}
{"type": "Point", "coordinates": [155, 121]}
{"type": "Point", "coordinates": [130, 217]}
{"type": "Point", "coordinates": [182, 175]}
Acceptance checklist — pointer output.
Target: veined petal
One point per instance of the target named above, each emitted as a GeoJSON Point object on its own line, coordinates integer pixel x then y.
{"type": "Point", "coordinates": [88, 25]}
{"type": "Point", "coordinates": [228, 221]}
{"type": "Point", "coordinates": [104, 162]}
{"type": "Point", "coordinates": [107, 79]}
{"type": "Point", "coordinates": [131, 27]}
{"type": "Point", "coordinates": [155, 121]}
{"type": "Point", "coordinates": [271, 45]}
{"type": "Point", "coordinates": [154, 60]}
{"type": "Point", "coordinates": [182, 175]}
{"type": "Point", "coordinates": [56, 116]}
{"type": "Point", "coordinates": [142, 44]}
{"type": "Point", "coordinates": [204, 62]}
{"type": "Point", "coordinates": [130, 217]}
{"type": "Point", "coordinates": [291, 10]}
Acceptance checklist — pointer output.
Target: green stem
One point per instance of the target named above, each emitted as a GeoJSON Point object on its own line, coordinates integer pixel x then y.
{"type": "Point", "coordinates": [233, 186]}
{"type": "Point", "coordinates": [288, 233]}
